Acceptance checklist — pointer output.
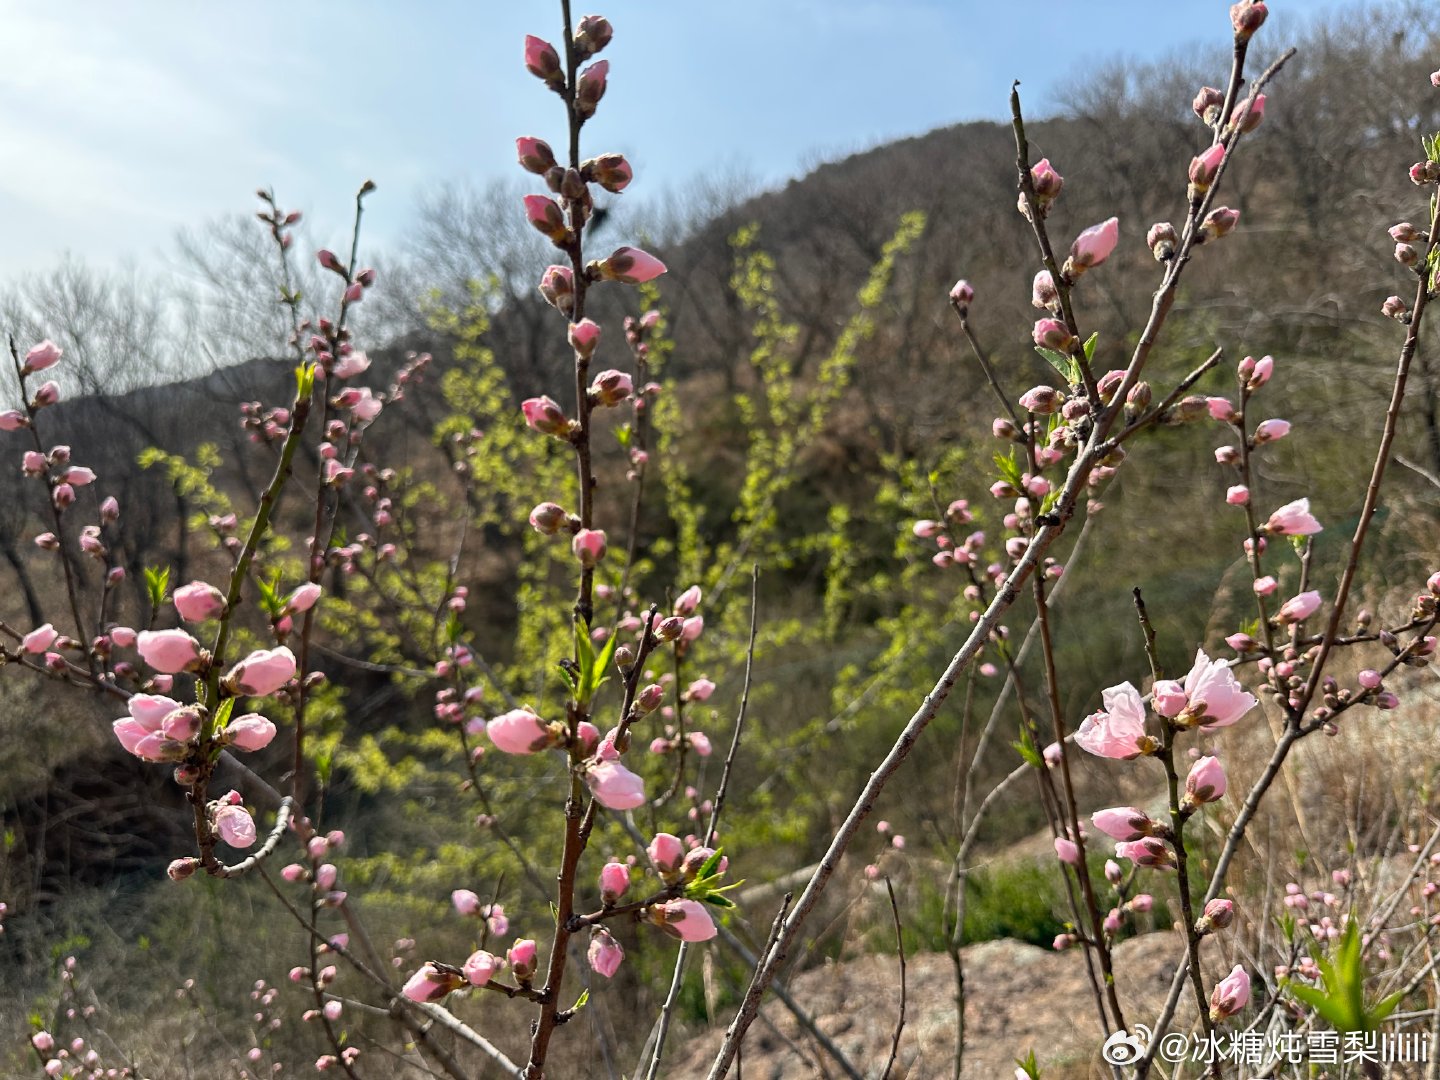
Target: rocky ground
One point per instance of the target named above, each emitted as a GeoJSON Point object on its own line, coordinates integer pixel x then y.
{"type": "Point", "coordinates": [1019, 998]}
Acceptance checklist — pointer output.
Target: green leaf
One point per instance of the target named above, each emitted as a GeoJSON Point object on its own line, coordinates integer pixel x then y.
{"type": "Point", "coordinates": [715, 899]}
{"type": "Point", "coordinates": [1026, 747]}
{"type": "Point", "coordinates": [623, 435]}
{"type": "Point", "coordinates": [1065, 365]}
{"type": "Point", "coordinates": [222, 714]}
{"type": "Point", "coordinates": [1090, 345]}
{"type": "Point", "coordinates": [157, 583]}
{"type": "Point", "coordinates": [708, 869]}
{"type": "Point", "coordinates": [580, 1001]}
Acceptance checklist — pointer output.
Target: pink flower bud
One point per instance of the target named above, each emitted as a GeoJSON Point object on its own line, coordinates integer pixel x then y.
{"type": "Point", "coordinates": [1092, 247]}
{"type": "Point", "coordinates": [198, 601]}
{"type": "Point", "coordinates": [250, 732]}
{"type": "Point", "coordinates": [584, 336]}
{"type": "Point", "coordinates": [1042, 290]}
{"type": "Point", "coordinates": [168, 651]}
{"type": "Point", "coordinates": [481, 967]}
{"type": "Point", "coordinates": [1233, 992]}
{"type": "Point", "coordinates": [1149, 851]}
{"type": "Point", "coordinates": [262, 672]}
{"type": "Point", "coordinates": [13, 420]}
{"type": "Point", "coordinates": [1162, 240]}
{"type": "Point", "coordinates": [521, 956]}
{"type": "Point", "coordinates": [1239, 495]}
{"type": "Point", "coordinates": [535, 154]}
{"type": "Point", "coordinates": [590, 88]}
{"type": "Point", "coordinates": [1369, 679]}
{"type": "Point", "coordinates": [431, 983]}
{"type": "Point", "coordinates": [614, 786]}
{"type": "Point", "coordinates": [545, 416]}
{"type": "Point", "coordinates": [611, 171]}
{"type": "Point", "coordinates": [685, 919]}
{"type": "Point", "coordinates": [700, 690]}
{"type": "Point", "coordinates": [329, 261]}
{"type": "Point", "coordinates": [235, 825]}
{"type": "Point", "coordinates": [610, 388]}
{"type": "Point", "coordinates": [1219, 222]}
{"type": "Point", "coordinates": [63, 495]}
{"type": "Point", "coordinates": [1053, 334]}
{"type": "Point", "coordinates": [689, 600]}
{"type": "Point", "coordinates": [48, 394]}
{"type": "Point", "coordinates": [542, 61]}
{"type": "Point", "coordinates": [466, 902]}
{"type": "Point", "coordinates": [1046, 182]}
{"type": "Point", "coordinates": [1219, 914]}
{"type": "Point", "coordinates": [46, 354]}
{"type": "Point", "coordinates": [519, 731]}
{"type": "Point", "coordinates": [961, 295]}
{"type": "Point", "coordinates": [629, 265]}
{"type": "Point", "coordinates": [557, 286]}
{"type": "Point", "coordinates": [545, 214]}
{"type": "Point", "coordinates": [1205, 782]}
{"type": "Point", "coordinates": [39, 639]}
{"type": "Point", "coordinates": [548, 518]}
{"type": "Point", "coordinates": [592, 33]}
{"type": "Point", "coordinates": [1269, 431]}
{"type": "Point", "coordinates": [1067, 851]}
{"type": "Point", "coordinates": [1298, 608]}
{"type": "Point", "coordinates": [692, 628]}
{"type": "Point", "coordinates": [666, 852]}
{"type": "Point", "coordinates": [1041, 400]}
{"type": "Point", "coordinates": [1292, 519]}
{"type": "Point", "coordinates": [1203, 169]}
{"type": "Point", "coordinates": [1123, 822]}
{"type": "Point", "coordinates": [1246, 17]}
{"type": "Point", "coordinates": [1248, 114]}
{"type": "Point", "coordinates": [303, 598]}
{"type": "Point", "coordinates": [605, 953]}
{"type": "Point", "coordinates": [588, 546]}
{"type": "Point", "coordinates": [614, 881]}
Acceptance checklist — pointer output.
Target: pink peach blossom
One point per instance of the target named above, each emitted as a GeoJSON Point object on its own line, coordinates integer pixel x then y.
{"type": "Point", "coordinates": [1230, 995]}
{"type": "Point", "coordinates": [1298, 608]}
{"type": "Point", "coordinates": [614, 881]}
{"type": "Point", "coordinates": [1215, 698]}
{"type": "Point", "coordinates": [1093, 246]}
{"type": "Point", "coordinates": [42, 356]}
{"type": "Point", "coordinates": [303, 597]}
{"type": "Point", "coordinates": [430, 983]}
{"type": "Point", "coordinates": [1123, 822]}
{"type": "Point", "coordinates": [1206, 781]}
{"type": "Point", "coordinates": [1118, 730]}
{"type": "Point", "coordinates": [521, 956]}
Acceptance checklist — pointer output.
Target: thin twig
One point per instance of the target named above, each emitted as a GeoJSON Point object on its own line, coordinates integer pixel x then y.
{"type": "Point", "coordinates": [900, 953]}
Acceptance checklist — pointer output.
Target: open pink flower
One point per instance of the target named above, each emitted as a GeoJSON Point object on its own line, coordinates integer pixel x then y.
{"type": "Point", "coordinates": [1215, 698]}
{"type": "Point", "coordinates": [615, 786]}
{"type": "Point", "coordinates": [1118, 730]}
{"type": "Point", "coordinates": [519, 731]}
{"type": "Point", "coordinates": [263, 672]}
{"type": "Point", "coordinates": [198, 601]}
{"type": "Point", "coordinates": [170, 651]}
{"type": "Point", "coordinates": [686, 919]}
{"type": "Point", "coordinates": [605, 953]}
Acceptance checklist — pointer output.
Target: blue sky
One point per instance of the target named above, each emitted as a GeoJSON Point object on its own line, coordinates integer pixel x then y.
{"type": "Point", "coordinates": [122, 123]}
